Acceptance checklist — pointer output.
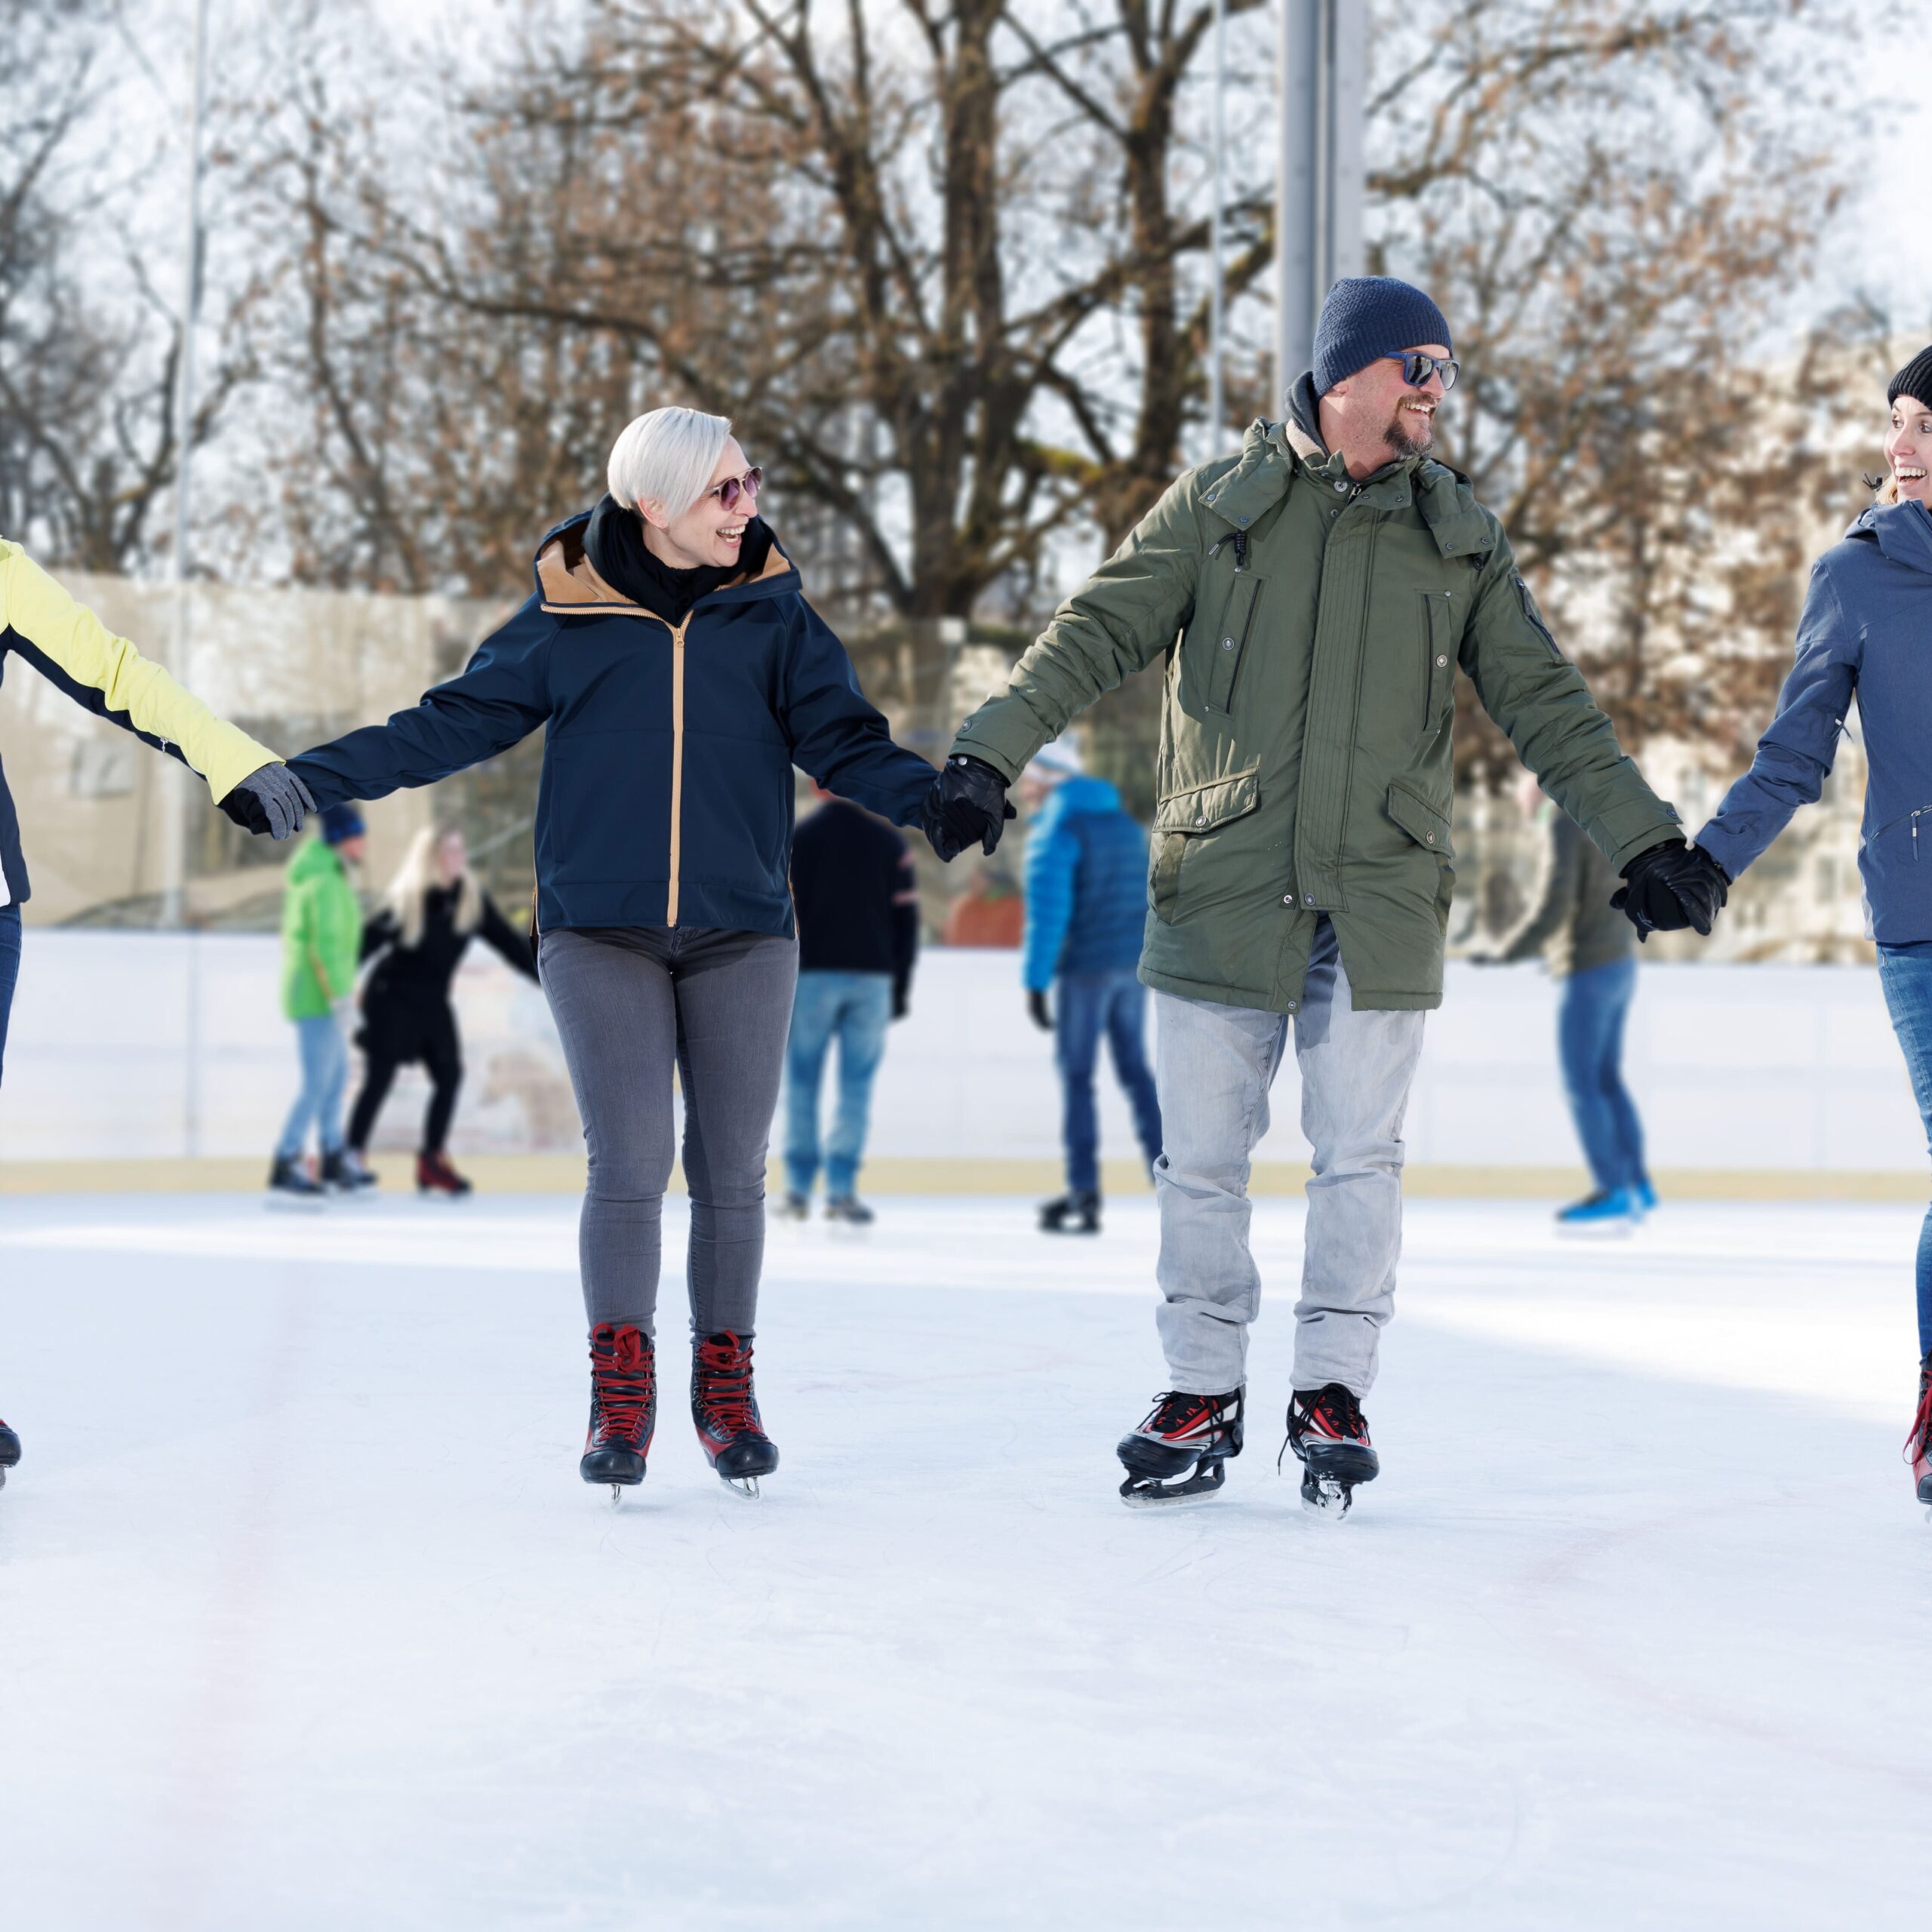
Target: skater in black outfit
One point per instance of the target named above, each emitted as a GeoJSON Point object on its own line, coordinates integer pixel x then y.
{"type": "Point", "coordinates": [679, 674]}
{"type": "Point", "coordinates": [434, 908]}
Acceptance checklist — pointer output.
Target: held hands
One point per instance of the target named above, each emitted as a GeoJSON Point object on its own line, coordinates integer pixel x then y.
{"type": "Point", "coordinates": [271, 800]}
{"type": "Point", "coordinates": [1670, 886]}
{"type": "Point", "coordinates": [966, 805]}
{"type": "Point", "coordinates": [1036, 1005]}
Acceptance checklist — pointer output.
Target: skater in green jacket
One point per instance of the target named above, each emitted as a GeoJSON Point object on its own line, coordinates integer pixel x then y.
{"type": "Point", "coordinates": [1313, 598]}
{"type": "Point", "coordinates": [321, 941]}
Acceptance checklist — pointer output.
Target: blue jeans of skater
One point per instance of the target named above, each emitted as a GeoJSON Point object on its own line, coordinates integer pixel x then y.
{"type": "Point", "coordinates": [1091, 1005]}
{"type": "Point", "coordinates": [10, 967]}
{"type": "Point", "coordinates": [1905, 973]}
{"type": "Point", "coordinates": [1214, 1065]}
{"type": "Point", "coordinates": [324, 1080]}
{"type": "Point", "coordinates": [855, 1009]}
{"type": "Point", "coordinates": [1589, 1038]}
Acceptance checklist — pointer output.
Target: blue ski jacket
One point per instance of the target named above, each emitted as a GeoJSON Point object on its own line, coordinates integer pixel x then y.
{"type": "Point", "coordinates": [666, 798]}
{"type": "Point", "coordinates": [1866, 632]}
{"type": "Point", "coordinates": [1086, 881]}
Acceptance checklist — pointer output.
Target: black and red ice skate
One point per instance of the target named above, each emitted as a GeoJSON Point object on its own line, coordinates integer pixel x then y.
{"type": "Point", "coordinates": [1329, 1434]}
{"type": "Point", "coordinates": [1177, 1454]}
{"type": "Point", "coordinates": [434, 1175]}
{"type": "Point", "coordinates": [724, 1409]}
{"type": "Point", "coordinates": [623, 1407]}
{"type": "Point", "coordinates": [9, 1452]}
{"type": "Point", "coordinates": [1919, 1444]}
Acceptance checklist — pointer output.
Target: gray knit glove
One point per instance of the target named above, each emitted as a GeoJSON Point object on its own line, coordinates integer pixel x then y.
{"type": "Point", "coordinates": [271, 800]}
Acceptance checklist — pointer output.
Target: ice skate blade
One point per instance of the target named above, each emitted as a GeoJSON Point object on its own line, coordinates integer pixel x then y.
{"type": "Point", "coordinates": [1330, 1500]}
{"type": "Point", "coordinates": [1154, 1498]}
{"type": "Point", "coordinates": [296, 1204]}
{"type": "Point", "coordinates": [1595, 1230]}
{"type": "Point", "coordinates": [745, 1486]}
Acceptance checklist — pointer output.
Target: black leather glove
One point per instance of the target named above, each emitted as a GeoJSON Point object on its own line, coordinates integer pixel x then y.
{"type": "Point", "coordinates": [966, 805]}
{"type": "Point", "coordinates": [902, 1003]}
{"type": "Point", "coordinates": [271, 800]}
{"type": "Point", "coordinates": [1670, 886]}
{"type": "Point", "coordinates": [1043, 1018]}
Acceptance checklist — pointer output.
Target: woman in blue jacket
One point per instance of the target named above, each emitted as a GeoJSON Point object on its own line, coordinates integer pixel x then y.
{"type": "Point", "coordinates": [1867, 632]}
{"type": "Point", "coordinates": [679, 674]}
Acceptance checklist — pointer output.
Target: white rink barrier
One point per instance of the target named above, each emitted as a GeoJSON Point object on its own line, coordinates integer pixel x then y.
{"type": "Point", "coordinates": [144, 1045]}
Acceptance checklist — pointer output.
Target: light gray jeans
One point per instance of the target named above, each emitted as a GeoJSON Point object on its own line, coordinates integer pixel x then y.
{"type": "Point", "coordinates": [1213, 1067]}
{"type": "Point", "coordinates": [629, 1003]}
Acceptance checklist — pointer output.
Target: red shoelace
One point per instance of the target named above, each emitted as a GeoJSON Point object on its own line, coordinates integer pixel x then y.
{"type": "Point", "coordinates": [725, 1383]}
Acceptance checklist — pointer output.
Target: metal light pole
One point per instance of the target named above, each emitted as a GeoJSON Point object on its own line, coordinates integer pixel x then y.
{"type": "Point", "coordinates": [177, 792]}
{"type": "Point", "coordinates": [1320, 68]}
{"type": "Point", "coordinates": [1217, 405]}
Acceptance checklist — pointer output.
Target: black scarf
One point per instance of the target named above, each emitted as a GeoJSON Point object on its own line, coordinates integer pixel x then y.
{"type": "Point", "coordinates": [614, 542]}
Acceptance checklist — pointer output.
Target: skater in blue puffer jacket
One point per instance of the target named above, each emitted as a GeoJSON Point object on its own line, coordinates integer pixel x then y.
{"type": "Point", "coordinates": [1866, 633]}
{"type": "Point", "coordinates": [1086, 908]}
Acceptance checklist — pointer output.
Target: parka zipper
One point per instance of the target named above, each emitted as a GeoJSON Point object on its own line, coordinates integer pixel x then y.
{"type": "Point", "coordinates": [1892, 825]}
{"type": "Point", "coordinates": [677, 765]}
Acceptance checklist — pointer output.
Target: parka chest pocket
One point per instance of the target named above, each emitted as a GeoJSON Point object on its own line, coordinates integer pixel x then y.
{"type": "Point", "coordinates": [1438, 623]}
{"type": "Point", "coordinates": [1227, 644]}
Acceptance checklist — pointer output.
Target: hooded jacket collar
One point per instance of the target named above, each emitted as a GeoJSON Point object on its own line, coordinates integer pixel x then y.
{"type": "Point", "coordinates": [567, 581]}
{"type": "Point", "coordinates": [1902, 532]}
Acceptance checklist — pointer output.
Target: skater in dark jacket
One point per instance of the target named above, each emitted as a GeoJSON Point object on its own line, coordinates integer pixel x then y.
{"type": "Point", "coordinates": [436, 906]}
{"type": "Point", "coordinates": [669, 653]}
{"type": "Point", "coordinates": [1866, 633]}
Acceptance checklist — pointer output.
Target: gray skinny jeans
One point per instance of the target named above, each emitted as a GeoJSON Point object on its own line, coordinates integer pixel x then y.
{"type": "Point", "coordinates": [1213, 1067]}
{"type": "Point", "coordinates": [630, 1002]}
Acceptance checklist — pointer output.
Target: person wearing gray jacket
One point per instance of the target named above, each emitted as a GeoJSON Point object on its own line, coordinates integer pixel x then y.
{"type": "Point", "coordinates": [1591, 948]}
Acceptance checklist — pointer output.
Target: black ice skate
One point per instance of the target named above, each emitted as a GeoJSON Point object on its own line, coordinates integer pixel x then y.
{"type": "Point", "coordinates": [1918, 1444]}
{"type": "Point", "coordinates": [290, 1187]}
{"type": "Point", "coordinates": [1071, 1214]}
{"type": "Point", "coordinates": [623, 1408]}
{"type": "Point", "coordinates": [343, 1173]}
{"type": "Point", "coordinates": [724, 1408]}
{"type": "Point", "coordinates": [9, 1452]}
{"type": "Point", "coordinates": [1177, 1454]}
{"type": "Point", "coordinates": [1329, 1434]}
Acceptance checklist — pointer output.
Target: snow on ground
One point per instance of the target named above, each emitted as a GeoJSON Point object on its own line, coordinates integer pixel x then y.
{"type": "Point", "coordinates": [306, 1622]}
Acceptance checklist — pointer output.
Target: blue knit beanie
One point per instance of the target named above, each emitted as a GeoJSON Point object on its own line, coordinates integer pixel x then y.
{"type": "Point", "coordinates": [340, 824]}
{"type": "Point", "coordinates": [1368, 315]}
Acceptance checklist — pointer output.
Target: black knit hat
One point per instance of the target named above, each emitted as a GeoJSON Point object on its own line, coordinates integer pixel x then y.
{"type": "Point", "coordinates": [1914, 379]}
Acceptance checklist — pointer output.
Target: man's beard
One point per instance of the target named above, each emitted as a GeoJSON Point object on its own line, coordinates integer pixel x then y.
{"type": "Point", "coordinates": [1410, 434]}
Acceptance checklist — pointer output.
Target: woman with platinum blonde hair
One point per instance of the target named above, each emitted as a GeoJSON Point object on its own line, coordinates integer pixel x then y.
{"type": "Point", "coordinates": [1866, 634]}
{"type": "Point", "coordinates": [669, 652]}
{"type": "Point", "coordinates": [434, 906]}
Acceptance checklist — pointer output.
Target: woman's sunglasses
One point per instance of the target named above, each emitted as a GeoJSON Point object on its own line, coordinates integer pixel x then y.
{"type": "Point", "coordinates": [1417, 367]}
{"type": "Point", "coordinates": [747, 486]}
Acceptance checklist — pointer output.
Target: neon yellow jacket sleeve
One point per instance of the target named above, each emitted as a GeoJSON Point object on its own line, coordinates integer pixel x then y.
{"type": "Point", "coordinates": [67, 642]}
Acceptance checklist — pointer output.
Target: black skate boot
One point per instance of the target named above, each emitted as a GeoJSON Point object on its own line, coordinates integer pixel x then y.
{"type": "Point", "coordinates": [724, 1407]}
{"type": "Point", "coordinates": [343, 1173]}
{"type": "Point", "coordinates": [1177, 1454]}
{"type": "Point", "coordinates": [623, 1407]}
{"type": "Point", "coordinates": [1071, 1214]}
{"type": "Point", "coordinates": [1918, 1444]}
{"type": "Point", "coordinates": [289, 1186]}
{"type": "Point", "coordinates": [1329, 1434]}
{"type": "Point", "coordinates": [9, 1452]}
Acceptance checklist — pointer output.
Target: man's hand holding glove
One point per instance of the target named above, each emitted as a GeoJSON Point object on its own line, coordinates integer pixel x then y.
{"type": "Point", "coordinates": [1036, 1005]}
{"type": "Point", "coordinates": [1670, 886]}
{"type": "Point", "coordinates": [967, 805]}
{"type": "Point", "coordinates": [271, 800]}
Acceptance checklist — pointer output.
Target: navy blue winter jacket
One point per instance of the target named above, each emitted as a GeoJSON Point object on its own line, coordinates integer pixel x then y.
{"type": "Point", "coordinates": [1866, 632]}
{"type": "Point", "coordinates": [1086, 884]}
{"type": "Point", "coordinates": [666, 794]}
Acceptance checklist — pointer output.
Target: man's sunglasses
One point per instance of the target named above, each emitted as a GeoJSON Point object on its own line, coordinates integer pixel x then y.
{"type": "Point", "coordinates": [747, 486]}
{"type": "Point", "coordinates": [1417, 367]}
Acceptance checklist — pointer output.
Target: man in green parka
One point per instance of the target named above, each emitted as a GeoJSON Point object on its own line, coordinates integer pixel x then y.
{"type": "Point", "coordinates": [321, 941]}
{"type": "Point", "coordinates": [1313, 598]}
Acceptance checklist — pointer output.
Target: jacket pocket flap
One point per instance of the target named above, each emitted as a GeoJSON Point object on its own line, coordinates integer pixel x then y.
{"type": "Point", "coordinates": [1209, 805]}
{"type": "Point", "coordinates": [1423, 823]}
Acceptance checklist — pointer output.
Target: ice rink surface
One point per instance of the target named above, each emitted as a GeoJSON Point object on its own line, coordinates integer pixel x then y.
{"type": "Point", "coordinates": [309, 1624]}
